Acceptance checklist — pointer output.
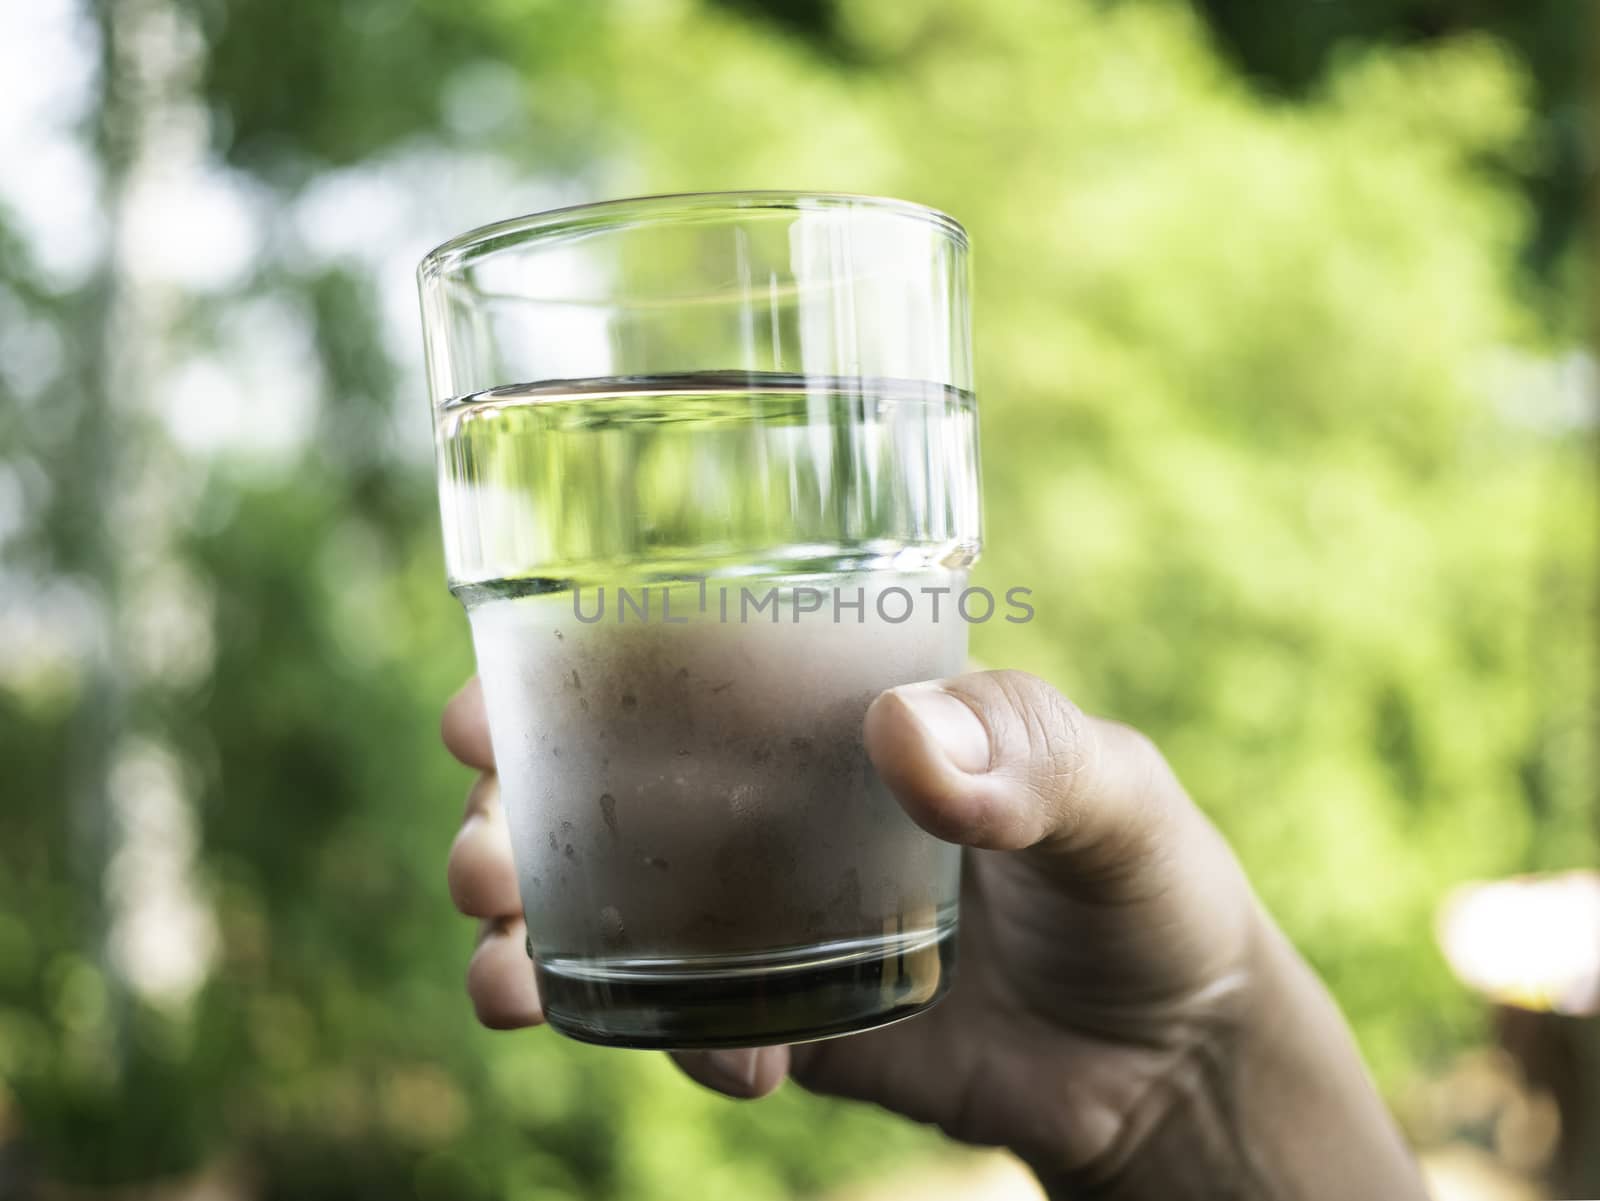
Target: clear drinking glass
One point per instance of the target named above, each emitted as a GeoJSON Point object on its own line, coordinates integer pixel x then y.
{"type": "Point", "coordinates": [708, 478]}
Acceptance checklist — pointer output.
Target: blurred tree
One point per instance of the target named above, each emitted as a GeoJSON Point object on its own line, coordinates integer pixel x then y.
{"type": "Point", "coordinates": [1291, 47]}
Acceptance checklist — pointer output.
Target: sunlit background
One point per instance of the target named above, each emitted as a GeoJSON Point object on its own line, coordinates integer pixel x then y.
{"type": "Point", "coordinates": [1288, 421]}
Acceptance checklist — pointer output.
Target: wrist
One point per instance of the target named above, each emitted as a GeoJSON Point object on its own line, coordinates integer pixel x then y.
{"type": "Point", "coordinates": [1182, 1137]}
{"type": "Point", "coordinates": [1262, 1097]}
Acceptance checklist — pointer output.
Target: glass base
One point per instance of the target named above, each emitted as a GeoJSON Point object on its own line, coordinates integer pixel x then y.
{"type": "Point", "coordinates": [750, 1000]}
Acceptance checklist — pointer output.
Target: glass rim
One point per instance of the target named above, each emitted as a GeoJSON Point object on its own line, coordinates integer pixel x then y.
{"type": "Point", "coordinates": [656, 208]}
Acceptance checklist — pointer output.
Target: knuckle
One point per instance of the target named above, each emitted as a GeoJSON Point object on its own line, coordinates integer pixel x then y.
{"type": "Point", "coordinates": [484, 796]}
{"type": "Point", "coordinates": [498, 1000]}
{"type": "Point", "coordinates": [463, 875]}
{"type": "Point", "coordinates": [460, 895]}
{"type": "Point", "coordinates": [1056, 738]}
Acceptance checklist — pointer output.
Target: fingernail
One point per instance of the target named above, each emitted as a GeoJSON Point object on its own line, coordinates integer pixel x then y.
{"type": "Point", "coordinates": [738, 1068]}
{"type": "Point", "coordinates": [959, 731]}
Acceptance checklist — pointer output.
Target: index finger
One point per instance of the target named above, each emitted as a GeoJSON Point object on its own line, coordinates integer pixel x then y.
{"type": "Point", "coordinates": [465, 727]}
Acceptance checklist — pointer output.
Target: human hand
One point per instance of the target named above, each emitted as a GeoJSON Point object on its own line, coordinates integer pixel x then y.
{"type": "Point", "coordinates": [1123, 1005]}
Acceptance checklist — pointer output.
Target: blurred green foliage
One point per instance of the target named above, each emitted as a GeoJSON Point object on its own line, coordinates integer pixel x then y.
{"type": "Point", "coordinates": [1291, 47]}
{"type": "Point", "coordinates": [1269, 426]}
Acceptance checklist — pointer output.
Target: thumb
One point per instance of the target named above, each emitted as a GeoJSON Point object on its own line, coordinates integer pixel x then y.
{"type": "Point", "coordinates": [1001, 761]}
